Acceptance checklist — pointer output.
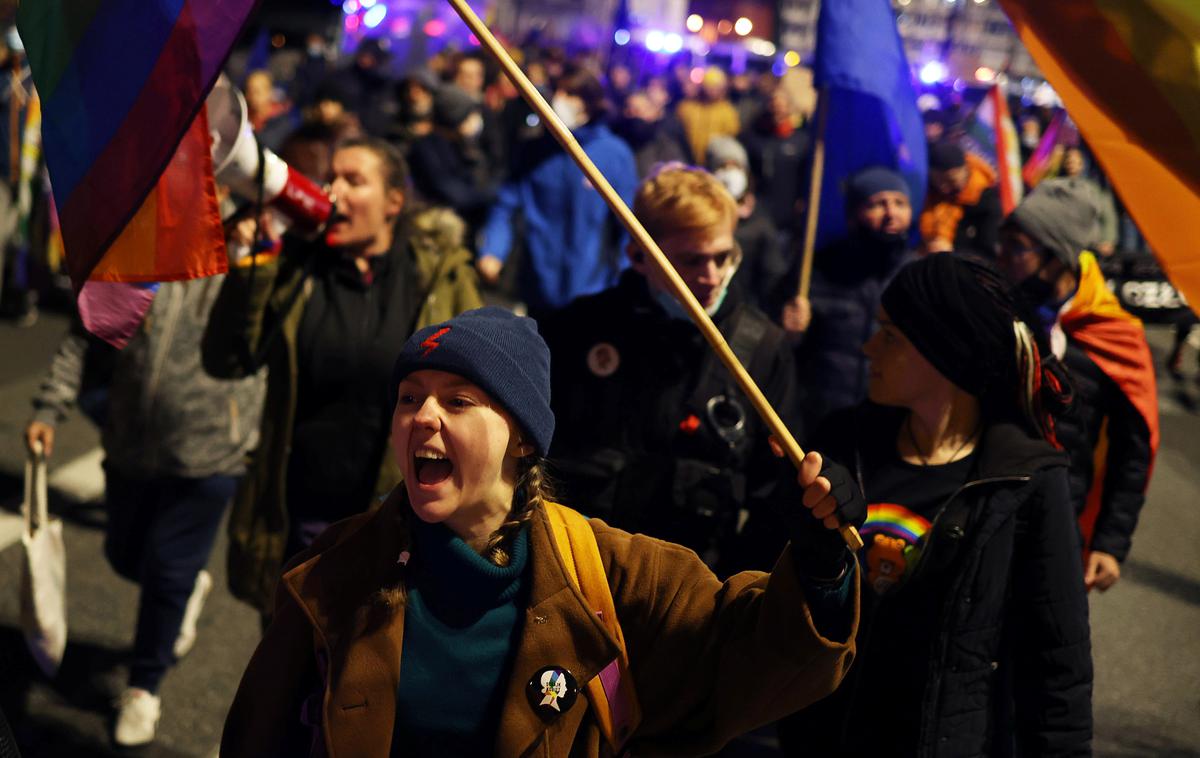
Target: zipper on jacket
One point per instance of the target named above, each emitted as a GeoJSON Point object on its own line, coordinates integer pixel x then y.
{"type": "Point", "coordinates": [884, 599]}
{"type": "Point", "coordinates": [934, 678]}
{"type": "Point", "coordinates": [946, 504]}
{"type": "Point", "coordinates": [934, 692]}
{"type": "Point", "coordinates": [162, 346]}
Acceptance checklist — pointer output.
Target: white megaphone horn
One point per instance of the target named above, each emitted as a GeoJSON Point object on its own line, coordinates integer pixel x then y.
{"type": "Point", "coordinates": [236, 163]}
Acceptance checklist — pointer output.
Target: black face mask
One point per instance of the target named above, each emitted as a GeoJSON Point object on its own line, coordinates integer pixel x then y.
{"type": "Point", "coordinates": [636, 131]}
{"type": "Point", "coordinates": [883, 239]}
{"type": "Point", "coordinates": [880, 248]}
{"type": "Point", "coordinates": [1036, 290]}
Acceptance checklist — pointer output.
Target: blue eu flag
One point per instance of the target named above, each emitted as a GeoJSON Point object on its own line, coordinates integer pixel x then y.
{"type": "Point", "coordinates": [873, 118]}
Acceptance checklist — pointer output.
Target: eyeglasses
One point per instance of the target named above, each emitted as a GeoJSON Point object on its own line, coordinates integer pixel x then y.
{"type": "Point", "coordinates": [720, 259]}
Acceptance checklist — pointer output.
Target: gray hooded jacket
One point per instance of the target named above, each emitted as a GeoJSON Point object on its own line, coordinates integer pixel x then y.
{"type": "Point", "coordinates": [166, 416]}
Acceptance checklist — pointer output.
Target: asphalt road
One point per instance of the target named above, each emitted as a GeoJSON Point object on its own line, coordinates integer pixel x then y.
{"type": "Point", "coordinates": [1146, 630]}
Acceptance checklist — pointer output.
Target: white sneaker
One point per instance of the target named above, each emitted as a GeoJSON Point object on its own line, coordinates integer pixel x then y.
{"type": "Point", "coordinates": [191, 614]}
{"type": "Point", "coordinates": [137, 717]}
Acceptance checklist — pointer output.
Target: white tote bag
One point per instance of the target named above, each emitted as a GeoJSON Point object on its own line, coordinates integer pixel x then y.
{"type": "Point", "coordinates": [44, 573]}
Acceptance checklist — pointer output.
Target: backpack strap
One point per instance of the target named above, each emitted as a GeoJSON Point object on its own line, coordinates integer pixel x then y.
{"type": "Point", "coordinates": [610, 692]}
{"type": "Point", "coordinates": [745, 336]}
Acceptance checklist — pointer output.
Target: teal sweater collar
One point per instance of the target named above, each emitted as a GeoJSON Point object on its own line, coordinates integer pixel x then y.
{"type": "Point", "coordinates": [453, 578]}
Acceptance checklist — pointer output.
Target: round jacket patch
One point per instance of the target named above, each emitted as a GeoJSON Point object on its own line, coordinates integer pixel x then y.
{"type": "Point", "coordinates": [552, 691]}
{"type": "Point", "coordinates": [603, 360]}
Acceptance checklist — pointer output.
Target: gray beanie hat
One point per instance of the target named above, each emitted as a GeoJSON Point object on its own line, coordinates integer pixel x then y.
{"type": "Point", "coordinates": [722, 150]}
{"type": "Point", "coordinates": [1061, 214]}
{"type": "Point", "coordinates": [452, 105]}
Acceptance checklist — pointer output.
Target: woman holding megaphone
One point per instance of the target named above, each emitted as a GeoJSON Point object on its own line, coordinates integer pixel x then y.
{"type": "Point", "coordinates": [326, 317]}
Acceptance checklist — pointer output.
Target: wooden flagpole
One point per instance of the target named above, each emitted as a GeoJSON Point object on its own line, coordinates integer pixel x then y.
{"type": "Point", "coordinates": [644, 241]}
{"type": "Point", "coordinates": [813, 210]}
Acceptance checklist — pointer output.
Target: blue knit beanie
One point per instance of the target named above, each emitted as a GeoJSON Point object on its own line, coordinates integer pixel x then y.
{"type": "Point", "coordinates": [501, 353]}
{"type": "Point", "coordinates": [870, 181]}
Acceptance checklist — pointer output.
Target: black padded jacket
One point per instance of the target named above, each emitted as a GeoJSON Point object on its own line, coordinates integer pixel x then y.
{"type": "Point", "coordinates": [1010, 669]}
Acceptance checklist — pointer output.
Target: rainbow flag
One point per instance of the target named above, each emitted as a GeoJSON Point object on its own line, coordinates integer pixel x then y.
{"type": "Point", "coordinates": [1116, 342]}
{"type": "Point", "coordinates": [992, 136]}
{"type": "Point", "coordinates": [31, 164]}
{"type": "Point", "coordinates": [1129, 73]}
{"type": "Point", "coordinates": [1047, 158]}
{"type": "Point", "coordinates": [124, 132]}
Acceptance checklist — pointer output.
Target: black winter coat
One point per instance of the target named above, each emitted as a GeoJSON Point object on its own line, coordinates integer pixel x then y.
{"type": "Point", "coordinates": [368, 93]}
{"type": "Point", "coordinates": [763, 264]}
{"type": "Point", "coordinates": [979, 230]}
{"type": "Point", "coordinates": [1010, 673]}
{"type": "Point", "coordinates": [777, 164]}
{"type": "Point", "coordinates": [653, 144]}
{"type": "Point", "coordinates": [849, 277]}
{"type": "Point", "coordinates": [636, 446]}
{"type": "Point", "coordinates": [1097, 398]}
{"type": "Point", "coordinates": [445, 174]}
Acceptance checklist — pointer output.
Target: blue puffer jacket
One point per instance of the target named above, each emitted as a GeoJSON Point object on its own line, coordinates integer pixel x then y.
{"type": "Point", "coordinates": [849, 277]}
{"type": "Point", "coordinates": [573, 246]}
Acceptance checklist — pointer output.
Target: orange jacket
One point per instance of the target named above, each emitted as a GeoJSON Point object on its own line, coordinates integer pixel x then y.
{"type": "Point", "coordinates": [942, 214]}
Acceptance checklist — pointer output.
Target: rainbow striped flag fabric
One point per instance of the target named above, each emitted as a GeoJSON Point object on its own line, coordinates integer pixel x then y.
{"type": "Point", "coordinates": [122, 86]}
{"type": "Point", "coordinates": [992, 136]}
{"type": "Point", "coordinates": [1047, 159]}
{"type": "Point", "coordinates": [1129, 74]}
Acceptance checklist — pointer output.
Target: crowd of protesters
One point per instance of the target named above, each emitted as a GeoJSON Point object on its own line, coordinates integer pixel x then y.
{"type": "Point", "coordinates": [984, 405]}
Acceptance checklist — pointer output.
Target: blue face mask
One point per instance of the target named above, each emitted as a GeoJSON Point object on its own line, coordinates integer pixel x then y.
{"type": "Point", "coordinates": [675, 310]}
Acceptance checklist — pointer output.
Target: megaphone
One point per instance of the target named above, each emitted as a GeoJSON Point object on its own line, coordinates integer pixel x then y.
{"type": "Point", "coordinates": [241, 163]}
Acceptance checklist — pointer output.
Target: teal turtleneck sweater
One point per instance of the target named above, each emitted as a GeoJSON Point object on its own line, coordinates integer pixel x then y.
{"type": "Point", "coordinates": [461, 626]}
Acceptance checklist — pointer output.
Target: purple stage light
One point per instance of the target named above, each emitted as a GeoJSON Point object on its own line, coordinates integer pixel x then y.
{"type": "Point", "coordinates": [374, 17]}
{"type": "Point", "coordinates": [933, 72]}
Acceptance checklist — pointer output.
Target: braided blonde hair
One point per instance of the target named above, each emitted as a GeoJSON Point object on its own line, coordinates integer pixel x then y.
{"type": "Point", "coordinates": [533, 489]}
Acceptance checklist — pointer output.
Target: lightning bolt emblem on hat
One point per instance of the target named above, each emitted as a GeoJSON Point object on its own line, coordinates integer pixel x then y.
{"type": "Point", "coordinates": [431, 342]}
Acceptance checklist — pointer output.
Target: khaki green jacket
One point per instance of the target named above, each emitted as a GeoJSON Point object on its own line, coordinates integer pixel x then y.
{"type": "Point", "coordinates": [710, 660]}
{"type": "Point", "coordinates": [255, 322]}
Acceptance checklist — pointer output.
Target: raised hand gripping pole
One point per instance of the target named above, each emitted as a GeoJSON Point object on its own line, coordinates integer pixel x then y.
{"type": "Point", "coordinates": [645, 242]}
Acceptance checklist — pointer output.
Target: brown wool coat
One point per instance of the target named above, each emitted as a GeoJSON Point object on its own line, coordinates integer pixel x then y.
{"type": "Point", "coordinates": [710, 660]}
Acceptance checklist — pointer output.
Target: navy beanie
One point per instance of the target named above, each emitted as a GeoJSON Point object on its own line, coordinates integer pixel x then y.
{"type": "Point", "coordinates": [870, 181]}
{"type": "Point", "coordinates": [944, 156]}
{"type": "Point", "coordinates": [501, 353]}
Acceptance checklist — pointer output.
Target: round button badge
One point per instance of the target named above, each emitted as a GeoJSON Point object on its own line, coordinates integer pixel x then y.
{"type": "Point", "coordinates": [552, 691]}
{"type": "Point", "coordinates": [603, 360]}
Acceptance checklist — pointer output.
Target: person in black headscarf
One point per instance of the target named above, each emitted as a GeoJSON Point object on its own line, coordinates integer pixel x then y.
{"type": "Point", "coordinates": [838, 317]}
{"type": "Point", "coordinates": [975, 637]}
{"type": "Point", "coordinates": [366, 88]}
{"type": "Point", "coordinates": [449, 165]}
{"type": "Point", "coordinates": [648, 131]}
